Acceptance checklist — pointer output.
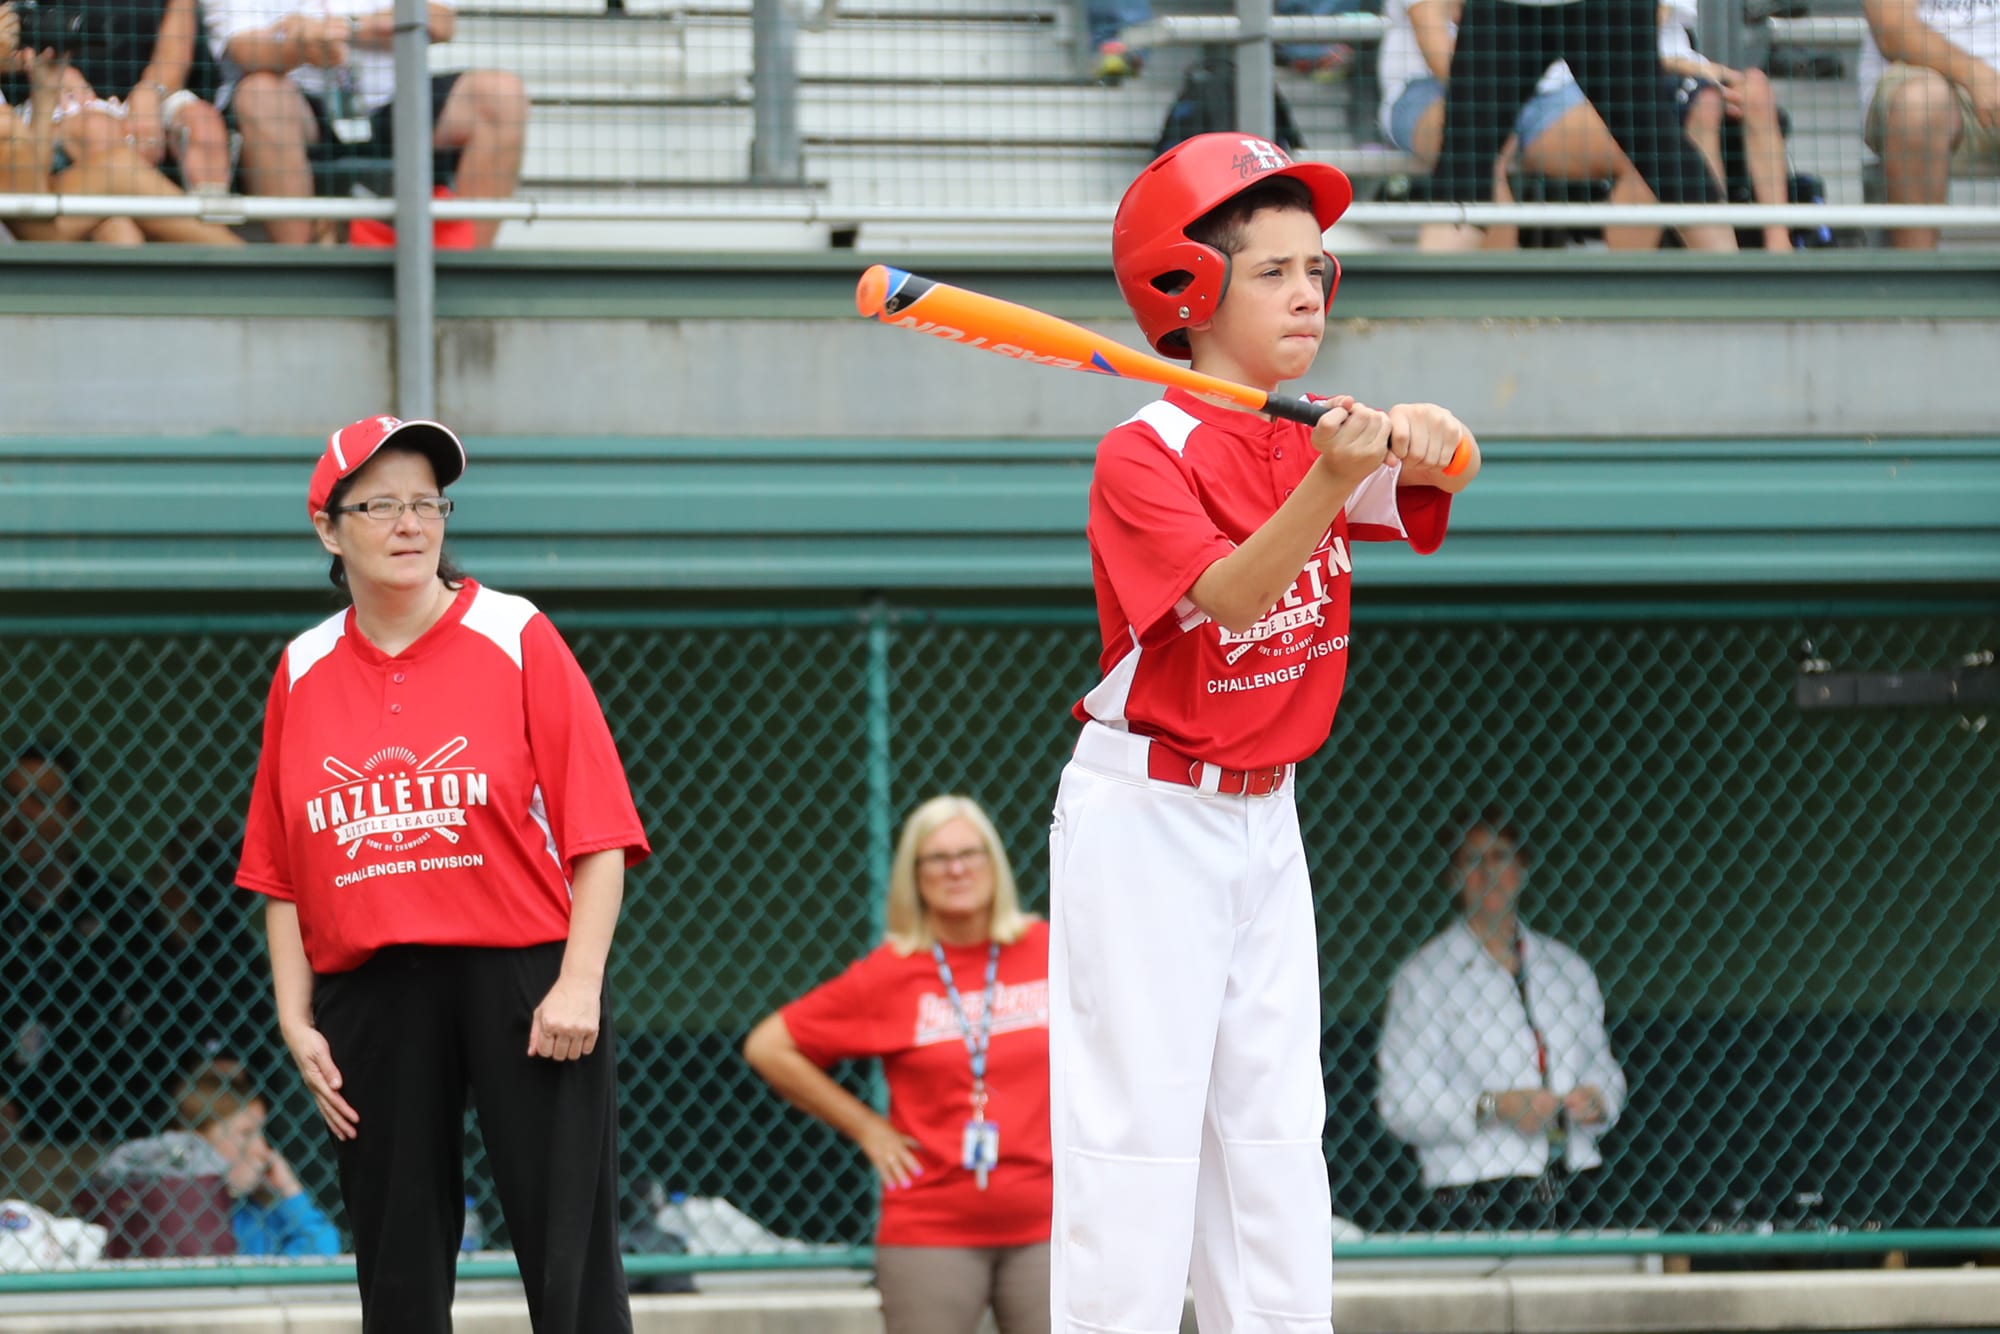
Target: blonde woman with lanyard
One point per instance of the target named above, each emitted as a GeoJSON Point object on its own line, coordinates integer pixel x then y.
{"type": "Point", "coordinates": [963, 1153]}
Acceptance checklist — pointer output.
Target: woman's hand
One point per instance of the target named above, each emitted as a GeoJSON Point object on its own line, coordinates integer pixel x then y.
{"type": "Point", "coordinates": [10, 33]}
{"type": "Point", "coordinates": [565, 1024]}
{"type": "Point", "coordinates": [315, 1061]}
{"type": "Point", "coordinates": [893, 1153]}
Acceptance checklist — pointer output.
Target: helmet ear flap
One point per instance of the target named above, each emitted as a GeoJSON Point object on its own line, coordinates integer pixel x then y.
{"type": "Point", "coordinates": [1329, 279]}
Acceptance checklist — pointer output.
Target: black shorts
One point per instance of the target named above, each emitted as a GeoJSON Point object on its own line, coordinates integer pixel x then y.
{"type": "Point", "coordinates": [381, 122]}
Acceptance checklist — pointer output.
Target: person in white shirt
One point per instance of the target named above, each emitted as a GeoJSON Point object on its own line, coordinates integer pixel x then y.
{"type": "Point", "coordinates": [1930, 88]}
{"type": "Point", "coordinates": [302, 72]}
{"type": "Point", "coordinates": [1494, 1063]}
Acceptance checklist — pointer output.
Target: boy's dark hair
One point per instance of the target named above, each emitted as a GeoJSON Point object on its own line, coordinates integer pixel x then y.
{"type": "Point", "coordinates": [337, 572]}
{"type": "Point", "coordinates": [1223, 226]}
{"type": "Point", "coordinates": [210, 1093]}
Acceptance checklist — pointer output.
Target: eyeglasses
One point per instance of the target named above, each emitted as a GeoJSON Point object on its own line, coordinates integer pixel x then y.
{"type": "Point", "coordinates": [938, 861]}
{"type": "Point", "coordinates": [387, 509]}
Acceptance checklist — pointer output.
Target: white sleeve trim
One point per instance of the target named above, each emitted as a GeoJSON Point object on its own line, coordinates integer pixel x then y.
{"type": "Point", "coordinates": [1374, 501]}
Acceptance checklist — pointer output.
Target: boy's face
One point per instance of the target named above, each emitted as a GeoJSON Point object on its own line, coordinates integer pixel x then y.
{"type": "Point", "coordinates": [1271, 320]}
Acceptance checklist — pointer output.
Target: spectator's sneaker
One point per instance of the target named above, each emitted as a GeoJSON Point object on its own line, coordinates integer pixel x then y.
{"type": "Point", "coordinates": [1329, 65]}
{"type": "Point", "coordinates": [1116, 61]}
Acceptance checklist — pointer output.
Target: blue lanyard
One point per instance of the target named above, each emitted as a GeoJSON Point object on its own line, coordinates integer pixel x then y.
{"type": "Point", "coordinates": [974, 1046]}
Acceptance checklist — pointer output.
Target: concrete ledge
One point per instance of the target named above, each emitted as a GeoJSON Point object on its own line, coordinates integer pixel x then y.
{"type": "Point", "coordinates": [1812, 1300]}
{"type": "Point", "coordinates": [1830, 1300]}
{"type": "Point", "coordinates": [1423, 1306]}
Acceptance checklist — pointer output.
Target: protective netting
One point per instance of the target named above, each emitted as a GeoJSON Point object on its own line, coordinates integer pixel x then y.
{"type": "Point", "coordinates": [821, 115]}
{"type": "Point", "coordinates": [1788, 914]}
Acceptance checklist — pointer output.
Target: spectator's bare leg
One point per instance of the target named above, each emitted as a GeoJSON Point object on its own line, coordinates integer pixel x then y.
{"type": "Point", "coordinates": [103, 231]}
{"type": "Point", "coordinates": [1579, 147]}
{"type": "Point", "coordinates": [1764, 152]}
{"type": "Point", "coordinates": [1611, 49]}
{"type": "Point", "coordinates": [91, 134]}
{"type": "Point", "coordinates": [277, 125]}
{"type": "Point", "coordinates": [1920, 127]}
{"type": "Point", "coordinates": [1427, 139]}
{"type": "Point", "coordinates": [201, 146]}
{"type": "Point", "coordinates": [119, 170]}
{"type": "Point", "coordinates": [486, 117]}
{"type": "Point", "coordinates": [1503, 236]}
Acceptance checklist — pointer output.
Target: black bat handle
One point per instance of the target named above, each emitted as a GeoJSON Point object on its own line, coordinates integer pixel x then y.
{"type": "Point", "coordinates": [1294, 408]}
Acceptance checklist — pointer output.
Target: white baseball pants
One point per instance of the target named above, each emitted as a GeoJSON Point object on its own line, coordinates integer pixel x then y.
{"type": "Point", "coordinates": [1187, 1106]}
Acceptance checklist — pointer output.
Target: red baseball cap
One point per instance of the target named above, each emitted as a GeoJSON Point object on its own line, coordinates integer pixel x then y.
{"type": "Point", "coordinates": [354, 444]}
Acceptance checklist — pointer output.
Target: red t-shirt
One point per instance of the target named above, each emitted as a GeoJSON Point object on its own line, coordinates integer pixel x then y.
{"type": "Point", "coordinates": [1178, 487]}
{"type": "Point", "coordinates": [439, 797]}
{"type": "Point", "coordinates": [895, 1006]}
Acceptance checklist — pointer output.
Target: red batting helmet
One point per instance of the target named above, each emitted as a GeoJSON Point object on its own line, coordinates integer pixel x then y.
{"type": "Point", "coordinates": [1167, 279]}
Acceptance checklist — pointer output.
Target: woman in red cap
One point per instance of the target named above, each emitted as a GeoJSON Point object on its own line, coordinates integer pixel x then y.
{"type": "Point", "coordinates": [441, 824]}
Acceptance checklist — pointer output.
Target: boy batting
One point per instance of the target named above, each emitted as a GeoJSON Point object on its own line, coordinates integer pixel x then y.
{"type": "Point", "coordinates": [1186, 1092]}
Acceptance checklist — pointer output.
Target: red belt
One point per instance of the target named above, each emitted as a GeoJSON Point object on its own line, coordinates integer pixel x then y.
{"type": "Point", "coordinates": [1166, 765]}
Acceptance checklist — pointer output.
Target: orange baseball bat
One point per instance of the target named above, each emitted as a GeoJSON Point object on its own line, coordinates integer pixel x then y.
{"type": "Point", "coordinates": [904, 300]}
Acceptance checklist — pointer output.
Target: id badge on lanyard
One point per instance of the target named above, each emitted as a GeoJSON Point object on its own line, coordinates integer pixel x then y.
{"type": "Point", "coordinates": [979, 1150]}
{"type": "Point", "coordinates": [1557, 1131]}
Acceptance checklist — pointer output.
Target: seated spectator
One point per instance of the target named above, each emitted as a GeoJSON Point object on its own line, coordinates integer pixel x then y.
{"type": "Point", "coordinates": [272, 1214]}
{"type": "Point", "coordinates": [1324, 61]}
{"type": "Point", "coordinates": [1494, 1063]}
{"type": "Point", "coordinates": [1709, 93]}
{"type": "Point", "coordinates": [67, 1039]}
{"type": "Point", "coordinates": [168, 1194]}
{"type": "Point", "coordinates": [1504, 47]}
{"type": "Point", "coordinates": [1108, 20]}
{"type": "Point", "coordinates": [144, 81]}
{"type": "Point", "coordinates": [42, 151]}
{"type": "Point", "coordinates": [295, 79]}
{"type": "Point", "coordinates": [1930, 90]}
{"type": "Point", "coordinates": [1557, 133]}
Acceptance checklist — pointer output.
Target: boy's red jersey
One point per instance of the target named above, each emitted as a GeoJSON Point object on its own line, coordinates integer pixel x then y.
{"type": "Point", "coordinates": [1176, 488]}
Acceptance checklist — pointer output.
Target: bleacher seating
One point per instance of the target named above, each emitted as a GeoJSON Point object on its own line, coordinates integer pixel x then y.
{"type": "Point", "coordinates": [923, 105]}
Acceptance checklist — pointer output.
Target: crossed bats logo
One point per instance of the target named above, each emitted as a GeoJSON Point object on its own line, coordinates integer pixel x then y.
{"type": "Point", "coordinates": [405, 824]}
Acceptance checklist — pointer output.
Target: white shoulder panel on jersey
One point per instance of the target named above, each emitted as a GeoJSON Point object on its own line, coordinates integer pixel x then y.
{"type": "Point", "coordinates": [1173, 425]}
{"type": "Point", "coordinates": [501, 617]}
{"type": "Point", "coordinates": [314, 644]}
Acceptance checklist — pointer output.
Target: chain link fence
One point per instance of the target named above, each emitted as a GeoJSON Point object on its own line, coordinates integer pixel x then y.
{"type": "Point", "coordinates": [896, 116]}
{"type": "Point", "coordinates": [1789, 915]}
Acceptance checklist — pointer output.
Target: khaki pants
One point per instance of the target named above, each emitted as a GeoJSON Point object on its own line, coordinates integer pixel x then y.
{"type": "Point", "coordinates": [1976, 144]}
{"type": "Point", "coordinates": [946, 1289]}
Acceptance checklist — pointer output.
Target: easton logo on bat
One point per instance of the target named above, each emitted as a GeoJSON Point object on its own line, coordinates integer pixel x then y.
{"type": "Point", "coordinates": [899, 292]}
{"type": "Point", "coordinates": [949, 334]}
